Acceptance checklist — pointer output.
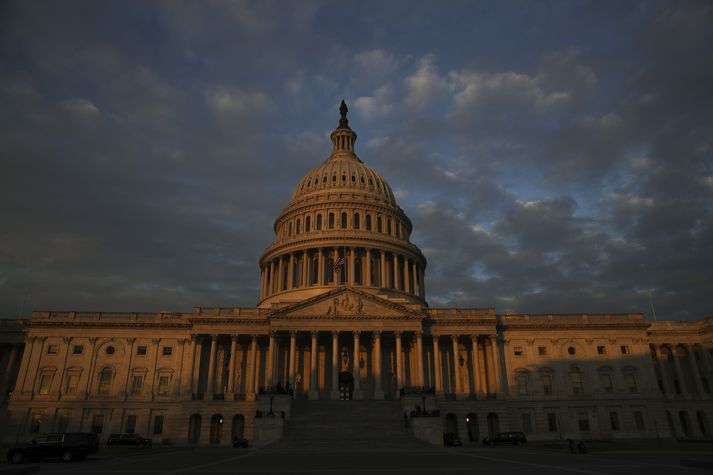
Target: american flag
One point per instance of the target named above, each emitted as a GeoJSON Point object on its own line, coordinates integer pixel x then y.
{"type": "Point", "coordinates": [338, 264]}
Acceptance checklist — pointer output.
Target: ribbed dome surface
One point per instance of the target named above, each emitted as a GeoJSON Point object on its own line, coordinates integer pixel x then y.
{"type": "Point", "coordinates": [343, 171]}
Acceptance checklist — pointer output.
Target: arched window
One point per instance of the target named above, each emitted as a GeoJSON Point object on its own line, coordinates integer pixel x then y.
{"type": "Point", "coordinates": [319, 222]}
{"type": "Point", "coordinates": [308, 223]}
{"type": "Point", "coordinates": [297, 226]}
{"type": "Point", "coordinates": [331, 220]}
{"type": "Point", "coordinates": [368, 222]}
{"type": "Point", "coordinates": [344, 220]}
{"type": "Point", "coordinates": [105, 381]}
{"type": "Point", "coordinates": [357, 223]}
{"type": "Point", "coordinates": [378, 224]}
{"type": "Point", "coordinates": [388, 227]}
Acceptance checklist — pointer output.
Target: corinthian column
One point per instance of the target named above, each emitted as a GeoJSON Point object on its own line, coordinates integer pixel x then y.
{"type": "Point", "coordinates": [231, 368]}
{"type": "Point", "coordinates": [250, 378]}
{"type": "Point", "coordinates": [334, 394]}
{"type": "Point", "coordinates": [211, 367]}
{"type": "Point", "coordinates": [367, 278]}
{"type": "Point", "coordinates": [378, 392]}
{"type": "Point", "coordinates": [476, 367]}
{"type": "Point", "coordinates": [396, 272]}
{"type": "Point", "coordinates": [437, 366]}
{"type": "Point", "coordinates": [313, 383]}
{"type": "Point", "coordinates": [355, 369]}
{"type": "Point", "coordinates": [456, 366]}
{"type": "Point", "coordinates": [293, 344]}
{"type": "Point", "coordinates": [407, 283]}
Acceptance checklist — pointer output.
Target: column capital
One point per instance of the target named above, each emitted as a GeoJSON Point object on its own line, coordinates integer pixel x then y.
{"type": "Point", "coordinates": [233, 337]}
{"type": "Point", "coordinates": [156, 340]}
{"type": "Point", "coordinates": [182, 341]}
{"type": "Point", "coordinates": [314, 333]}
{"type": "Point", "coordinates": [377, 334]}
{"type": "Point", "coordinates": [335, 334]}
{"type": "Point", "coordinates": [398, 333]}
{"type": "Point", "coordinates": [66, 339]}
{"type": "Point", "coordinates": [454, 338]}
{"type": "Point", "coordinates": [356, 333]}
{"type": "Point", "coordinates": [293, 333]}
{"type": "Point", "coordinates": [418, 333]}
{"type": "Point", "coordinates": [272, 333]}
{"type": "Point", "coordinates": [131, 340]}
{"type": "Point", "coordinates": [474, 338]}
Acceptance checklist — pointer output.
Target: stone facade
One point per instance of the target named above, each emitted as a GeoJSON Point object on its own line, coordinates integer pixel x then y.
{"type": "Point", "coordinates": [343, 315]}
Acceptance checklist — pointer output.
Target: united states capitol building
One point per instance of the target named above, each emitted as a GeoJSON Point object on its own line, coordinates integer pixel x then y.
{"type": "Point", "coordinates": [354, 344]}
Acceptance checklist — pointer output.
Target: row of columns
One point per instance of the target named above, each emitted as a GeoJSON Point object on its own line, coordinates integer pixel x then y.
{"type": "Point", "coordinates": [489, 383]}
{"type": "Point", "coordinates": [669, 390]}
{"type": "Point", "coordinates": [296, 270]}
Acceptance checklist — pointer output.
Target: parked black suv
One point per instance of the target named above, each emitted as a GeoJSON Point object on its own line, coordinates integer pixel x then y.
{"type": "Point", "coordinates": [67, 446]}
{"type": "Point", "coordinates": [451, 439]}
{"type": "Point", "coordinates": [515, 438]}
{"type": "Point", "coordinates": [128, 439]}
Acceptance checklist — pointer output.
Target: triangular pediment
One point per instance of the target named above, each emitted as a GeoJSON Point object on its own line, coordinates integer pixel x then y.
{"type": "Point", "coordinates": [346, 303]}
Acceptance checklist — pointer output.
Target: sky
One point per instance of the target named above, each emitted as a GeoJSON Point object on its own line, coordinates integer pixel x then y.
{"type": "Point", "coordinates": [553, 156]}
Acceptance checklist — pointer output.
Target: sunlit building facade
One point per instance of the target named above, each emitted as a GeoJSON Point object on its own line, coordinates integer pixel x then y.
{"type": "Point", "coordinates": [343, 315]}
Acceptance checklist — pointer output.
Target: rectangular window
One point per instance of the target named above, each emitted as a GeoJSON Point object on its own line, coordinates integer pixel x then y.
{"type": "Point", "coordinates": [163, 382]}
{"type": "Point", "coordinates": [577, 387]}
{"type": "Point", "coordinates": [167, 350]}
{"type": "Point", "coordinates": [624, 349]}
{"type": "Point", "coordinates": [77, 349]}
{"type": "Point", "coordinates": [601, 350]}
{"type": "Point", "coordinates": [137, 382]}
{"type": "Point", "coordinates": [140, 351]}
{"type": "Point", "coordinates": [72, 383]}
{"type": "Point", "coordinates": [63, 423]}
{"type": "Point", "coordinates": [630, 381]}
{"type": "Point", "coordinates": [639, 420]}
{"type": "Point", "coordinates": [158, 425]}
{"type": "Point", "coordinates": [542, 350]}
{"type": "Point", "coordinates": [583, 419]}
{"type": "Point", "coordinates": [614, 420]}
{"type": "Point", "coordinates": [51, 349]}
{"type": "Point", "coordinates": [521, 385]}
{"type": "Point", "coordinates": [130, 424]}
{"type": "Point", "coordinates": [552, 422]}
{"type": "Point", "coordinates": [104, 382]}
{"type": "Point", "coordinates": [606, 382]}
{"type": "Point", "coordinates": [546, 381]}
{"type": "Point", "coordinates": [518, 351]}
{"type": "Point", "coordinates": [36, 423]}
{"type": "Point", "coordinates": [98, 423]}
{"type": "Point", "coordinates": [526, 424]}
{"type": "Point", "coordinates": [45, 381]}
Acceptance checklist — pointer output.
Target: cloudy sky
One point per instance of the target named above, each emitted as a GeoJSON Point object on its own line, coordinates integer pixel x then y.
{"type": "Point", "coordinates": [554, 156]}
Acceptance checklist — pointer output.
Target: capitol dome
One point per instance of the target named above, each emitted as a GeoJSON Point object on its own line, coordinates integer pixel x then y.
{"type": "Point", "coordinates": [343, 211]}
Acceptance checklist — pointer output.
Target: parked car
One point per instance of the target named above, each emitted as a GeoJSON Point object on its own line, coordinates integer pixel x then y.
{"type": "Point", "coordinates": [240, 442]}
{"type": "Point", "coordinates": [128, 439]}
{"type": "Point", "coordinates": [514, 438]}
{"type": "Point", "coordinates": [67, 446]}
{"type": "Point", "coordinates": [451, 439]}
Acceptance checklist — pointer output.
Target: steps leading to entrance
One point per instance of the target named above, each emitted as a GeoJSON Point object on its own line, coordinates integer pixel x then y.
{"type": "Point", "coordinates": [347, 425]}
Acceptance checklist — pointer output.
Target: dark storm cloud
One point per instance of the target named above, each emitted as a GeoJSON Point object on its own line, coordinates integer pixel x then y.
{"type": "Point", "coordinates": [558, 160]}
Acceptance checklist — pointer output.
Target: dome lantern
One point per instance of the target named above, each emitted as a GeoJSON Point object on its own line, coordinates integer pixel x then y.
{"type": "Point", "coordinates": [343, 137]}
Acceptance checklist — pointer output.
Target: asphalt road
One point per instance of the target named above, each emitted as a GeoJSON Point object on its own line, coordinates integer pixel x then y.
{"type": "Point", "coordinates": [499, 460]}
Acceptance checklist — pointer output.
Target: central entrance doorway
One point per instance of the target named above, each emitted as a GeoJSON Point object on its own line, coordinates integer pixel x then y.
{"type": "Point", "coordinates": [346, 386]}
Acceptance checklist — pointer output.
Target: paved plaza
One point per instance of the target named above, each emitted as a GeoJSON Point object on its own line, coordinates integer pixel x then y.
{"type": "Point", "coordinates": [500, 460]}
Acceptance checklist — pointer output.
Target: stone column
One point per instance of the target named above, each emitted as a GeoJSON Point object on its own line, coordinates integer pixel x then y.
{"type": "Point", "coordinates": [419, 359]}
{"type": "Point", "coordinates": [414, 271]}
{"type": "Point", "coordinates": [367, 278]}
{"type": "Point", "coordinates": [191, 374]}
{"type": "Point", "coordinates": [476, 367]}
{"type": "Point", "coordinates": [396, 272]}
{"type": "Point", "coordinates": [293, 345]}
{"type": "Point", "coordinates": [250, 377]}
{"type": "Point", "coordinates": [334, 394]}
{"type": "Point", "coordinates": [272, 277]}
{"type": "Point", "coordinates": [320, 270]}
{"type": "Point", "coordinates": [355, 368]}
{"type": "Point", "coordinates": [383, 282]}
{"type": "Point", "coordinates": [352, 262]}
{"type": "Point", "coordinates": [499, 389]}
{"type": "Point", "coordinates": [210, 385]}
{"type": "Point", "coordinates": [305, 268]}
{"type": "Point", "coordinates": [679, 373]}
{"type": "Point", "coordinates": [8, 369]}
{"type": "Point", "coordinates": [437, 367]}
{"type": "Point", "coordinates": [668, 389]}
{"type": "Point", "coordinates": [456, 366]}
{"type": "Point", "coordinates": [399, 365]}
{"type": "Point", "coordinates": [291, 271]}
{"type": "Point", "coordinates": [269, 371]}
{"type": "Point", "coordinates": [378, 392]}
{"type": "Point", "coordinates": [313, 383]}
{"type": "Point", "coordinates": [696, 373]}
{"type": "Point", "coordinates": [231, 368]}
{"type": "Point", "coordinates": [407, 283]}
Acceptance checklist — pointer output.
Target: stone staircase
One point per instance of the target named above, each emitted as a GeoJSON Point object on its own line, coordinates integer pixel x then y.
{"type": "Point", "coordinates": [346, 425]}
